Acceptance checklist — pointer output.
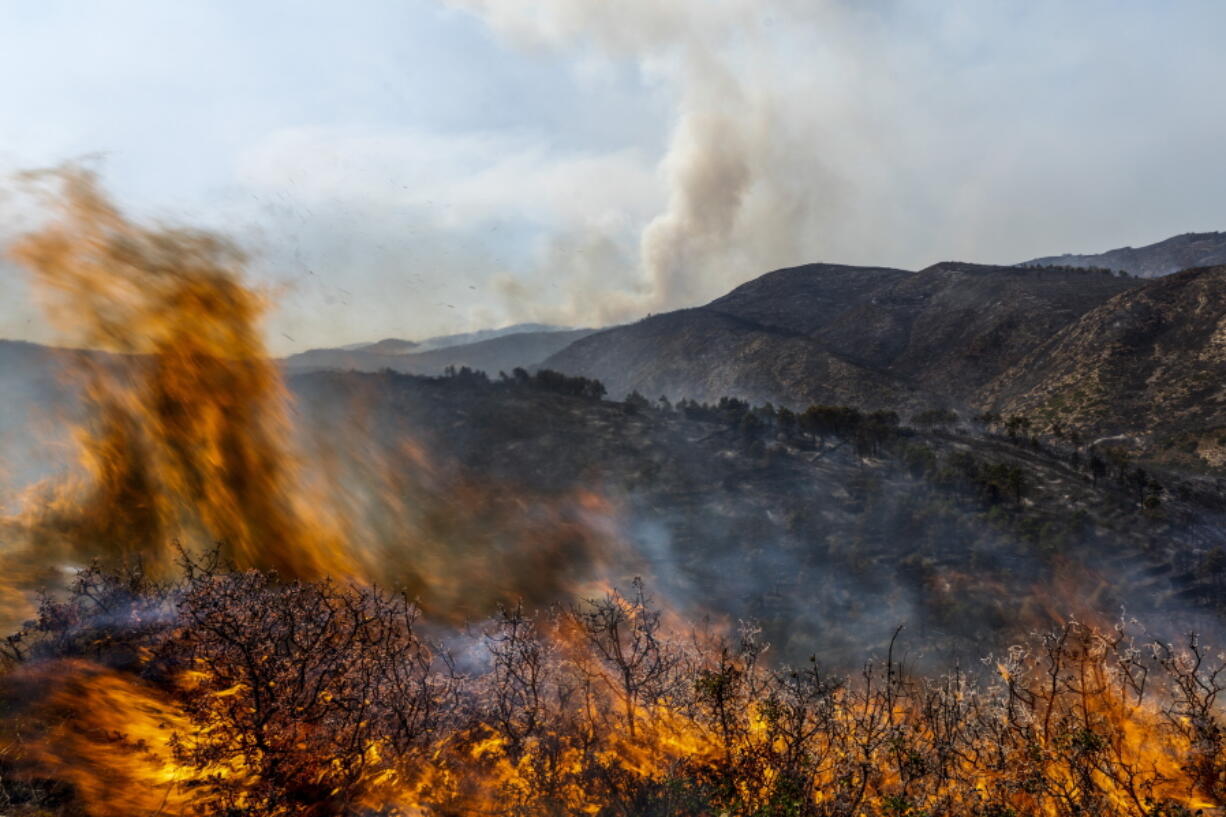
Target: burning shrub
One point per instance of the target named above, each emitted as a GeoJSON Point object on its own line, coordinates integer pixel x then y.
{"type": "Point", "coordinates": [233, 692]}
{"type": "Point", "coordinates": [318, 690]}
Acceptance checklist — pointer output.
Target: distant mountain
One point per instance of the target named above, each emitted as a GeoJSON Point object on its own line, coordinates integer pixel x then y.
{"type": "Point", "coordinates": [1172, 255]}
{"type": "Point", "coordinates": [387, 346]}
{"type": "Point", "coordinates": [827, 333]}
{"type": "Point", "coordinates": [496, 350]}
{"type": "Point", "coordinates": [399, 346]}
{"type": "Point", "coordinates": [1149, 364]}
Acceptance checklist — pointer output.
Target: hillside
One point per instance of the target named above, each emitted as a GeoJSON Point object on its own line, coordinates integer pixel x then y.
{"type": "Point", "coordinates": [804, 299]}
{"type": "Point", "coordinates": [829, 539]}
{"type": "Point", "coordinates": [1151, 261]}
{"type": "Point", "coordinates": [866, 335]}
{"type": "Point", "coordinates": [859, 522]}
{"type": "Point", "coordinates": [952, 327]}
{"type": "Point", "coordinates": [1150, 363]}
{"type": "Point", "coordinates": [1070, 349]}
{"type": "Point", "coordinates": [387, 346]}
{"type": "Point", "coordinates": [705, 354]}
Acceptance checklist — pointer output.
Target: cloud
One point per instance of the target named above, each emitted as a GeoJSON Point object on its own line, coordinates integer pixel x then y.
{"type": "Point", "coordinates": [459, 181]}
{"type": "Point", "coordinates": [439, 231]}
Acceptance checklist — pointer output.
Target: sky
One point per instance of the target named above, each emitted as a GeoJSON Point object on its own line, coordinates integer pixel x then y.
{"type": "Point", "coordinates": [408, 168]}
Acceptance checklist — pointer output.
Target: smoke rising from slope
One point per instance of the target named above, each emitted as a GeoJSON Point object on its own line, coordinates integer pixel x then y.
{"type": "Point", "coordinates": [746, 182]}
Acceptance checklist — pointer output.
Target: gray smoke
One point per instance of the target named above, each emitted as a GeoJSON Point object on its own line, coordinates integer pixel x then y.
{"type": "Point", "coordinates": [745, 185]}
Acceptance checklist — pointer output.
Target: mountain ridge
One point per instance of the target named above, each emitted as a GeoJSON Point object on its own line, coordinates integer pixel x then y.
{"type": "Point", "coordinates": [1179, 252]}
{"type": "Point", "coordinates": [497, 350]}
{"type": "Point", "coordinates": [1149, 363]}
{"type": "Point", "coordinates": [831, 333]}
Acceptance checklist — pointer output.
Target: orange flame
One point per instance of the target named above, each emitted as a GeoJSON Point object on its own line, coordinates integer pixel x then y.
{"type": "Point", "coordinates": [189, 441]}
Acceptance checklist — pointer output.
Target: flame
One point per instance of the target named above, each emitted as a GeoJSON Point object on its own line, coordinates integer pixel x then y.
{"type": "Point", "coordinates": [318, 698]}
{"type": "Point", "coordinates": [189, 438]}
{"type": "Point", "coordinates": [107, 735]}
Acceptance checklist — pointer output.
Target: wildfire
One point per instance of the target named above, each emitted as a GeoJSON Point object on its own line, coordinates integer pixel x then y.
{"type": "Point", "coordinates": [274, 678]}
{"type": "Point", "coordinates": [257, 697]}
{"type": "Point", "coordinates": [188, 438]}
{"type": "Point", "coordinates": [104, 733]}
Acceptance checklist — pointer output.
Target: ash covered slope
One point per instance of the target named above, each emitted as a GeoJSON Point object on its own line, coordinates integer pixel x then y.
{"type": "Point", "coordinates": [964, 536]}
{"type": "Point", "coordinates": [706, 354]}
{"type": "Point", "coordinates": [872, 336]}
{"type": "Point", "coordinates": [952, 327]}
{"type": "Point", "coordinates": [1151, 261]}
{"type": "Point", "coordinates": [755, 343]}
{"type": "Point", "coordinates": [1149, 363]}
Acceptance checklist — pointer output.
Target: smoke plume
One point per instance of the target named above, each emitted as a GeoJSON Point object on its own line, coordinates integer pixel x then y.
{"type": "Point", "coordinates": [746, 186]}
